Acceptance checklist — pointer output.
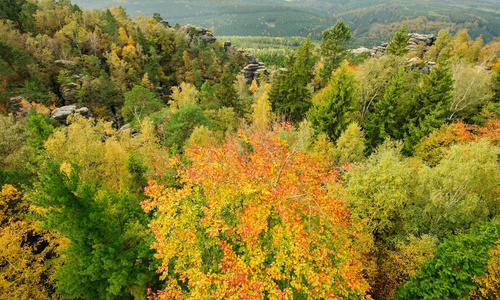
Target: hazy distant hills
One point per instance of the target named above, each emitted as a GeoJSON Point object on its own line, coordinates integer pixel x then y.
{"type": "Point", "coordinates": [372, 21]}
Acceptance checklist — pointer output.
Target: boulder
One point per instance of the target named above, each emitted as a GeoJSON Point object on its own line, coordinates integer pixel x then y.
{"type": "Point", "coordinates": [61, 114]}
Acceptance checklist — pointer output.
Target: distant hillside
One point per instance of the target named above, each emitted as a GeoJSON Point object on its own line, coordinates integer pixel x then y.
{"type": "Point", "coordinates": [371, 21]}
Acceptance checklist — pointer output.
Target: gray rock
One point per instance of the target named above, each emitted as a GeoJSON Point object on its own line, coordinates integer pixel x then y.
{"type": "Point", "coordinates": [61, 114]}
{"type": "Point", "coordinates": [127, 128]}
{"type": "Point", "coordinates": [201, 33]}
{"type": "Point", "coordinates": [83, 111]}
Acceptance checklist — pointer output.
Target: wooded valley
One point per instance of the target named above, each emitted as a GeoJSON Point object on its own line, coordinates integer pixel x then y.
{"type": "Point", "coordinates": [140, 159]}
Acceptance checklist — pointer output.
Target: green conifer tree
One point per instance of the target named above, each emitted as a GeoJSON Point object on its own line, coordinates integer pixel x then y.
{"type": "Point", "coordinates": [429, 109]}
{"type": "Point", "coordinates": [399, 42]}
{"type": "Point", "coordinates": [333, 48]}
{"type": "Point", "coordinates": [334, 113]}
{"type": "Point", "coordinates": [290, 94]}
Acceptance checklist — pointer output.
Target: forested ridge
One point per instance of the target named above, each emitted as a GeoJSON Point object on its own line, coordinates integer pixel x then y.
{"type": "Point", "coordinates": [137, 161]}
{"type": "Point", "coordinates": [372, 21]}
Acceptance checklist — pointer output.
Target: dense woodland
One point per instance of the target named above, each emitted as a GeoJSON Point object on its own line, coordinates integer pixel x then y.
{"type": "Point", "coordinates": [335, 177]}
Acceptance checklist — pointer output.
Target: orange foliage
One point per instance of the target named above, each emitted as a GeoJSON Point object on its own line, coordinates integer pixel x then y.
{"type": "Point", "coordinates": [255, 219]}
{"type": "Point", "coordinates": [434, 147]}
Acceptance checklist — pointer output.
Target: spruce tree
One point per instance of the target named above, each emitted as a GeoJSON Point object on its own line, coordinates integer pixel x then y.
{"type": "Point", "coordinates": [333, 48]}
{"type": "Point", "coordinates": [430, 107]}
{"type": "Point", "coordinates": [290, 94]}
{"type": "Point", "coordinates": [399, 42]}
{"type": "Point", "coordinates": [383, 121]}
{"type": "Point", "coordinates": [226, 93]}
{"type": "Point", "coordinates": [334, 113]}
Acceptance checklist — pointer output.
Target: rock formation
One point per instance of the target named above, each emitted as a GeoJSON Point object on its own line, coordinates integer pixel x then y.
{"type": "Point", "coordinates": [61, 114]}
{"type": "Point", "coordinates": [201, 33]}
{"type": "Point", "coordinates": [253, 69]}
{"type": "Point", "coordinates": [415, 39]}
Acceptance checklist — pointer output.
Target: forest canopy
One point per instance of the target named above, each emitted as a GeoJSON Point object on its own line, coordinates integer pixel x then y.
{"type": "Point", "coordinates": [138, 160]}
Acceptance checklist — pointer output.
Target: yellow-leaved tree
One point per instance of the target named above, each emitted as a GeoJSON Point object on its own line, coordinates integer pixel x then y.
{"type": "Point", "coordinates": [256, 218]}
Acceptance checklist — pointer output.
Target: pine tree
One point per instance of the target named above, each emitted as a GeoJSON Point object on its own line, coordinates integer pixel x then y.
{"type": "Point", "coordinates": [399, 42]}
{"type": "Point", "coordinates": [290, 94]}
{"type": "Point", "coordinates": [430, 107]}
{"type": "Point", "coordinates": [226, 92]}
{"type": "Point", "coordinates": [333, 115]}
{"type": "Point", "coordinates": [383, 121]}
{"type": "Point", "coordinates": [333, 48]}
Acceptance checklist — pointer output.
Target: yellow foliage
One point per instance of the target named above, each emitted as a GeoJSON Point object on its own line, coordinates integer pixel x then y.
{"type": "Point", "coordinates": [182, 95]}
{"type": "Point", "coordinates": [322, 149]}
{"type": "Point", "coordinates": [99, 152]}
{"type": "Point", "coordinates": [254, 86]}
{"type": "Point", "coordinates": [129, 53]}
{"type": "Point", "coordinates": [145, 82]}
{"type": "Point", "coordinates": [26, 252]}
{"type": "Point", "coordinates": [202, 136]}
{"type": "Point", "coordinates": [261, 116]}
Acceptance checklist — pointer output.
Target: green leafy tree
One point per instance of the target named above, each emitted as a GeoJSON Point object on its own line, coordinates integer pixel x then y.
{"type": "Point", "coordinates": [333, 114]}
{"type": "Point", "coordinates": [39, 129]}
{"type": "Point", "coordinates": [450, 274]}
{"type": "Point", "coordinates": [379, 191]}
{"type": "Point", "coordinates": [399, 42]}
{"type": "Point", "coordinates": [180, 125]}
{"type": "Point", "coordinates": [333, 47]}
{"type": "Point", "coordinates": [461, 191]}
{"type": "Point", "coordinates": [290, 94]}
{"type": "Point", "coordinates": [139, 102]}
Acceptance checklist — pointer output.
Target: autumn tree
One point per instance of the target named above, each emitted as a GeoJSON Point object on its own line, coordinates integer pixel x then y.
{"type": "Point", "coordinates": [350, 145]}
{"type": "Point", "coordinates": [489, 283]}
{"type": "Point", "coordinates": [28, 256]}
{"type": "Point", "coordinates": [182, 95]}
{"type": "Point", "coordinates": [261, 116]}
{"type": "Point", "coordinates": [89, 187]}
{"type": "Point", "coordinates": [471, 89]}
{"type": "Point", "coordinates": [255, 217]}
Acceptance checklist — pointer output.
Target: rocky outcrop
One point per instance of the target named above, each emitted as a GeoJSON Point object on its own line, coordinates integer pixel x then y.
{"type": "Point", "coordinates": [415, 39]}
{"type": "Point", "coordinates": [61, 114]}
{"type": "Point", "coordinates": [254, 69]}
{"type": "Point", "coordinates": [201, 33]}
